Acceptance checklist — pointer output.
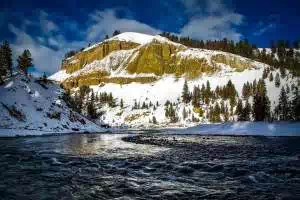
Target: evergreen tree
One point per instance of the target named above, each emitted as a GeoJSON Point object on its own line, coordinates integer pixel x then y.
{"type": "Point", "coordinates": [265, 73]}
{"type": "Point", "coordinates": [246, 91]}
{"type": "Point", "coordinates": [144, 106]}
{"type": "Point", "coordinates": [121, 103]}
{"type": "Point", "coordinates": [78, 102]}
{"type": "Point", "coordinates": [277, 80]}
{"type": "Point", "coordinates": [24, 61]}
{"type": "Point", "coordinates": [111, 100]}
{"type": "Point", "coordinates": [239, 110]}
{"type": "Point", "coordinates": [185, 93]}
{"type": "Point", "coordinates": [296, 104]}
{"type": "Point", "coordinates": [91, 109]}
{"type": "Point", "coordinates": [66, 96]}
{"type": "Point", "coordinates": [208, 89]}
{"type": "Point", "coordinates": [6, 61]}
{"type": "Point", "coordinates": [116, 32]}
{"type": "Point", "coordinates": [170, 113]}
{"type": "Point", "coordinates": [288, 89]}
{"type": "Point", "coordinates": [150, 104]}
{"type": "Point", "coordinates": [246, 112]}
{"type": "Point", "coordinates": [261, 103]}
{"type": "Point", "coordinates": [226, 114]}
{"type": "Point", "coordinates": [271, 78]}
{"type": "Point", "coordinates": [184, 114]}
{"type": "Point", "coordinates": [135, 105]}
{"type": "Point", "coordinates": [222, 107]}
{"type": "Point", "coordinates": [283, 106]}
{"type": "Point", "coordinates": [154, 121]}
{"type": "Point", "coordinates": [196, 97]}
{"type": "Point", "coordinates": [3, 70]}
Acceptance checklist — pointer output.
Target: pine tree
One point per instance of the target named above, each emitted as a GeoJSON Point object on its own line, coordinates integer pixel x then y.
{"type": "Point", "coordinates": [184, 114]}
{"type": "Point", "coordinates": [185, 93]}
{"type": "Point", "coordinates": [91, 109]}
{"type": "Point", "coordinates": [277, 80]}
{"type": "Point", "coordinates": [296, 104]}
{"type": "Point", "coordinates": [261, 103]}
{"type": "Point", "coordinates": [154, 121]}
{"type": "Point", "coordinates": [3, 70]}
{"type": "Point", "coordinates": [196, 97]}
{"type": "Point", "coordinates": [78, 102]}
{"type": "Point", "coordinates": [246, 91]}
{"type": "Point", "coordinates": [226, 114]}
{"type": "Point", "coordinates": [135, 105]}
{"type": "Point", "coordinates": [121, 103]}
{"type": "Point", "coordinates": [111, 101]}
{"type": "Point", "coordinates": [265, 73]}
{"type": "Point", "coordinates": [24, 61]}
{"type": "Point", "coordinates": [246, 112]}
{"type": "Point", "coordinates": [239, 110]}
{"type": "Point", "coordinates": [222, 107]}
{"type": "Point", "coordinates": [271, 78]}
{"type": "Point", "coordinates": [208, 89]}
{"type": "Point", "coordinates": [288, 89]}
{"type": "Point", "coordinates": [116, 32]}
{"type": "Point", "coordinates": [144, 106]}
{"type": "Point", "coordinates": [283, 106]}
{"type": "Point", "coordinates": [7, 55]}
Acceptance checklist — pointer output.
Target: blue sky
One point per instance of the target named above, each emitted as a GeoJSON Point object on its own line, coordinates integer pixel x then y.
{"type": "Point", "coordinates": [51, 28]}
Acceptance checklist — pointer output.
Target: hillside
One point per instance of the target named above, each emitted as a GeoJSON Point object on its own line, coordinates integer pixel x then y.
{"type": "Point", "coordinates": [33, 107]}
{"type": "Point", "coordinates": [151, 70]}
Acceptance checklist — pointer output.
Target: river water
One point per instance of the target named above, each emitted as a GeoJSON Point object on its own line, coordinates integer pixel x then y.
{"type": "Point", "coordinates": [149, 166]}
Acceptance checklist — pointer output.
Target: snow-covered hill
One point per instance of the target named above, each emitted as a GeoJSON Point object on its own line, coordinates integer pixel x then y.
{"type": "Point", "coordinates": [31, 107]}
{"type": "Point", "coordinates": [169, 64]}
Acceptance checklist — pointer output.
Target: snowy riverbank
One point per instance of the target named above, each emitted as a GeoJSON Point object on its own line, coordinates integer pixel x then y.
{"type": "Point", "coordinates": [246, 128]}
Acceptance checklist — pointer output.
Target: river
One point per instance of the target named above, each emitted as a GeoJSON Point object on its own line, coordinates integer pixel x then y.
{"type": "Point", "coordinates": [149, 166]}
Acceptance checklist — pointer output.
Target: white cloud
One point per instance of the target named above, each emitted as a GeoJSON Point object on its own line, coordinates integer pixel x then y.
{"type": "Point", "coordinates": [45, 59]}
{"type": "Point", "coordinates": [213, 21]}
{"type": "Point", "coordinates": [213, 27]}
{"type": "Point", "coordinates": [263, 29]}
{"type": "Point", "coordinates": [105, 22]}
{"type": "Point", "coordinates": [190, 4]}
{"type": "Point", "coordinates": [47, 25]}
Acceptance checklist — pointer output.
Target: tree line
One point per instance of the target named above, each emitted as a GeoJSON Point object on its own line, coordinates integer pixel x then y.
{"type": "Point", "coordinates": [260, 109]}
{"type": "Point", "coordinates": [87, 102]}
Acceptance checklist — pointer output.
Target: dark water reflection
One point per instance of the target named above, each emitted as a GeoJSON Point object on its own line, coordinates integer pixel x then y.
{"type": "Point", "coordinates": [102, 166]}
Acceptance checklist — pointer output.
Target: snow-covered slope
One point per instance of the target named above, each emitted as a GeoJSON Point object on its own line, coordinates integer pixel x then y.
{"type": "Point", "coordinates": [29, 107]}
{"type": "Point", "coordinates": [170, 88]}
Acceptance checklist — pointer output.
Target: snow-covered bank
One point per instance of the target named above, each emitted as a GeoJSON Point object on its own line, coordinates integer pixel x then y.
{"type": "Point", "coordinates": [25, 132]}
{"type": "Point", "coordinates": [31, 107]}
{"type": "Point", "coordinates": [246, 128]}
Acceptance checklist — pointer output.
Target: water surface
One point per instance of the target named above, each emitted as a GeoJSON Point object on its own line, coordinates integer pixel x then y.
{"type": "Point", "coordinates": [147, 166]}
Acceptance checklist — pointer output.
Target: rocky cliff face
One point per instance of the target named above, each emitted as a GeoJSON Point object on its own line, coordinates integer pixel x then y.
{"type": "Point", "coordinates": [124, 61]}
{"type": "Point", "coordinates": [83, 58]}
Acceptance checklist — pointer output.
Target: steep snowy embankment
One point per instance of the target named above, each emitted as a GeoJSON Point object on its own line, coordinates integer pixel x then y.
{"type": "Point", "coordinates": [29, 107]}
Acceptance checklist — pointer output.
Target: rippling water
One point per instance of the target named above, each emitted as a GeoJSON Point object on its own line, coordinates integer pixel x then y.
{"type": "Point", "coordinates": [147, 166]}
